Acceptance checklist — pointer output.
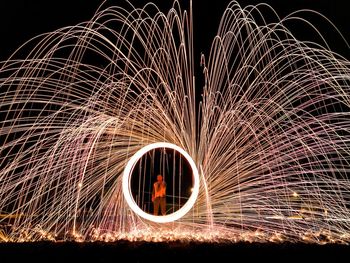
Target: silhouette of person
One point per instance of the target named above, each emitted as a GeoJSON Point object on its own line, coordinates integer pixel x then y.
{"type": "Point", "coordinates": [159, 196]}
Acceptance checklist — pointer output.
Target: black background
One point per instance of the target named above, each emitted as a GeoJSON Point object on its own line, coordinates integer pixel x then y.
{"type": "Point", "coordinates": [21, 20]}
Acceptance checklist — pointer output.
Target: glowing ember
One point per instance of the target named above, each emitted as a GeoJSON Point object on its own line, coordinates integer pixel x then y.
{"type": "Point", "coordinates": [127, 190]}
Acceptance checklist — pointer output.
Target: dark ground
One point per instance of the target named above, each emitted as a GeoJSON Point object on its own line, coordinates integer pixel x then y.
{"type": "Point", "coordinates": [124, 251]}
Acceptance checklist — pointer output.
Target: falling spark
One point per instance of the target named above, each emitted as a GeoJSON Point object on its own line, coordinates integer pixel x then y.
{"type": "Point", "coordinates": [273, 120]}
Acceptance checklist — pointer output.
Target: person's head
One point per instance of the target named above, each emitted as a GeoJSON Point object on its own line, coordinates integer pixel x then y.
{"type": "Point", "coordinates": [159, 178]}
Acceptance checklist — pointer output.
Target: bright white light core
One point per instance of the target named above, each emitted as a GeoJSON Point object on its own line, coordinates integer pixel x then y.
{"type": "Point", "coordinates": [127, 189]}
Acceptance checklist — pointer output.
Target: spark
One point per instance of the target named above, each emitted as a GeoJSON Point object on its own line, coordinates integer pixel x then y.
{"type": "Point", "coordinates": [273, 119]}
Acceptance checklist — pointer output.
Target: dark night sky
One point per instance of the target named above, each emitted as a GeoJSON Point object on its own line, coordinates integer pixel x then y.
{"type": "Point", "coordinates": [22, 19]}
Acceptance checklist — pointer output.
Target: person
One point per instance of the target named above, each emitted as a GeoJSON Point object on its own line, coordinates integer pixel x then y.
{"type": "Point", "coordinates": [159, 196]}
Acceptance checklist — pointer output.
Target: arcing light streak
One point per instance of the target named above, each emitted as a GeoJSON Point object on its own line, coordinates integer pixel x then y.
{"type": "Point", "coordinates": [127, 189]}
{"type": "Point", "coordinates": [270, 136]}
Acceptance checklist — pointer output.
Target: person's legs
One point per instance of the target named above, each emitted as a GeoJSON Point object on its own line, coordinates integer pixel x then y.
{"type": "Point", "coordinates": [156, 206]}
{"type": "Point", "coordinates": [163, 205]}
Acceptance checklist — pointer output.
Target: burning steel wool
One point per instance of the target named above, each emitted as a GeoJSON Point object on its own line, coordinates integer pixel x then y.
{"type": "Point", "coordinates": [94, 112]}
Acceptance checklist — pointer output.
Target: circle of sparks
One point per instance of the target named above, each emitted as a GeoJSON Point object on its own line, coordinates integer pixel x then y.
{"type": "Point", "coordinates": [127, 189]}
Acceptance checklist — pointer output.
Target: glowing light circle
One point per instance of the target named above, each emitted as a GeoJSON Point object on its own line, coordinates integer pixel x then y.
{"type": "Point", "coordinates": [127, 189]}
